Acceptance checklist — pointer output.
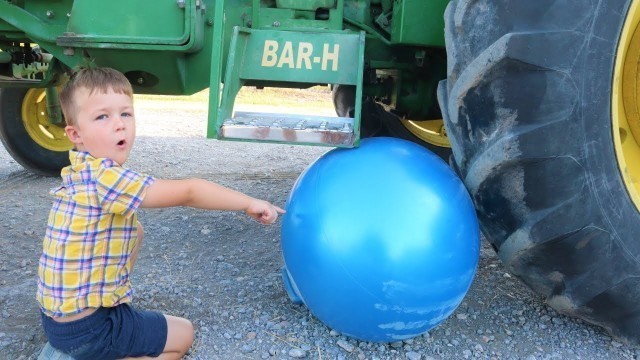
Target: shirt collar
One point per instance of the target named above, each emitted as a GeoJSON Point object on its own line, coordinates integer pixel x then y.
{"type": "Point", "coordinates": [78, 157]}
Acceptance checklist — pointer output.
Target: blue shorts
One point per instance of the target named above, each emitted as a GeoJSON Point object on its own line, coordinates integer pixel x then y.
{"type": "Point", "coordinates": [109, 333]}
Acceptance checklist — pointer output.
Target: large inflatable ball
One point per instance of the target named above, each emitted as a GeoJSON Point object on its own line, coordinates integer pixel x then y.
{"type": "Point", "coordinates": [380, 242]}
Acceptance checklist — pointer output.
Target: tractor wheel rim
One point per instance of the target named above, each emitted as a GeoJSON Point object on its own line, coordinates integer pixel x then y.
{"type": "Point", "coordinates": [626, 103]}
{"type": "Point", "coordinates": [430, 131]}
{"type": "Point", "coordinates": [36, 122]}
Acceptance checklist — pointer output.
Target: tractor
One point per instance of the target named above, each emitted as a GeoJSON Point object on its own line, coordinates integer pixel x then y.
{"type": "Point", "coordinates": [533, 103]}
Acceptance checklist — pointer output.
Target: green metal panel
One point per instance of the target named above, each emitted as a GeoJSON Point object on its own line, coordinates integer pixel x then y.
{"type": "Point", "coordinates": [131, 21]}
{"type": "Point", "coordinates": [35, 27]}
{"type": "Point", "coordinates": [167, 25]}
{"type": "Point", "coordinates": [49, 11]}
{"type": "Point", "coordinates": [295, 19]}
{"type": "Point", "coordinates": [300, 57]}
{"type": "Point", "coordinates": [357, 11]}
{"type": "Point", "coordinates": [305, 4]}
{"type": "Point", "coordinates": [418, 22]}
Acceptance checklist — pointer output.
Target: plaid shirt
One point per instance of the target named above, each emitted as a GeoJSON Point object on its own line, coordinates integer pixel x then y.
{"type": "Point", "coordinates": [91, 232]}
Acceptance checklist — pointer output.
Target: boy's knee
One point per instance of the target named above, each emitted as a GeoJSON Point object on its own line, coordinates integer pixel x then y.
{"type": "Point", "coordinates": [181, 334]}
{"type": "Point", "coordinates": [190, 333]}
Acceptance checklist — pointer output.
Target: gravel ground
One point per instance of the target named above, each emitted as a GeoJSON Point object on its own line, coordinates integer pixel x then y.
{"type": "Point", "coordinates": [222, 270]}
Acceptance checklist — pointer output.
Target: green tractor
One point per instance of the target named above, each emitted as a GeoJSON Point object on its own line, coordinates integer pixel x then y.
{"type": "Point", "coordinates": [534, 103]}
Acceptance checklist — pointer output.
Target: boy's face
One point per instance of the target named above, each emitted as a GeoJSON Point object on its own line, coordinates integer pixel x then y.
{"type": "Point", "coordinates": [105, 126]}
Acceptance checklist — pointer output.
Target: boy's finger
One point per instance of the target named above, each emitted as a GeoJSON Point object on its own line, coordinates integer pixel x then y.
{"type": "Point", "coordinates": [266, 219]}
{"type": "Point", "coordinates": [267, 215]}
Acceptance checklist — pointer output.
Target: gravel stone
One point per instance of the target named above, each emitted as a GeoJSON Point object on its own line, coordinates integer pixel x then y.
{"type": "Point", "coordinates": [297, 353]}
{"type": "Point", "coordinates": [345, 345]}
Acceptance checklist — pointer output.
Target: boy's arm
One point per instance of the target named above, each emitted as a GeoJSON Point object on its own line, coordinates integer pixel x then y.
{"type": "Point", "coordinates": [202, 194]}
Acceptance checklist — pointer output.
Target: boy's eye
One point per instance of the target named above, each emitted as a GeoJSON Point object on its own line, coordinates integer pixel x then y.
{"type": "Point", "coordinates": [126, 114]}
{"type": "Point", "coordinates": [101, 117]}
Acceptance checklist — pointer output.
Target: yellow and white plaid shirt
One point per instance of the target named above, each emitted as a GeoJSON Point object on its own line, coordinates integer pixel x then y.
{"type": "Point", "coordinates": [91, 232]}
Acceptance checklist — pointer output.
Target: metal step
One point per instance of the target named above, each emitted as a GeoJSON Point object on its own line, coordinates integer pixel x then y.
{"type": "Point", "coordinates": [290, 128]}
{"type": "Point", "coordinates": [284, 58]}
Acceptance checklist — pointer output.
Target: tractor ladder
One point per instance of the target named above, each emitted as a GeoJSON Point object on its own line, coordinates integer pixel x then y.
{"type": "Point", "coordinates": [290, 59]}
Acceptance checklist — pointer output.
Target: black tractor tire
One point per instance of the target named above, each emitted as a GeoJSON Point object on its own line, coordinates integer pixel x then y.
{"type": "Point", "coordinates": [527, 106]}
{"type": "Point", "coordinates": [376, 121]}
{"type": "Point", "coordinates": [19, 143]}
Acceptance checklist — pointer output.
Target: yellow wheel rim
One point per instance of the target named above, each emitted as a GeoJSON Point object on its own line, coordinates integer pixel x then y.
{"type": "Point", "coordinates": [36, 122]}
{"type": "Point", "coordinates": [626, 103]}
{"type": "Point", "coordinates": [430, 131]}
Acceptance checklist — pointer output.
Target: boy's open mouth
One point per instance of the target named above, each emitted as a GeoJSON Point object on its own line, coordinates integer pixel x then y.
{"type": "Point", "coordinates": [121, 143]}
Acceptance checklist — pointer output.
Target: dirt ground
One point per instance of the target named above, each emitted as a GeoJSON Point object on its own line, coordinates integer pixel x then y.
{"type": "Point", "coordinates": [222, 270]}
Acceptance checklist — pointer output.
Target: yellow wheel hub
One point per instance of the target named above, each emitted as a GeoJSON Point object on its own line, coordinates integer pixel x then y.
{"type": "Point", "coordinates": [430, 131]}
{"type": "Point", "coordinates": [626, 103]}
{"type": "Point", "coordinates": [36, 122]}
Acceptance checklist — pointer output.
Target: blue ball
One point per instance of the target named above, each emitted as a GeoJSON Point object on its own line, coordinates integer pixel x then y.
{"type": "Point", "coordinates": [380, 242]}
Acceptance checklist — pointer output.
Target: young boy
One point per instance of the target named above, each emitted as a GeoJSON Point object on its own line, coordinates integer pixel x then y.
{"type": "Point", "coordinates": [93, 236]}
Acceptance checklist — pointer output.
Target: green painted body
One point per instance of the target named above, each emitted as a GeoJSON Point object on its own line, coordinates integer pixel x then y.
{"type": "Point", "coordinates": [183, 46]}
{"type": "Point", "coordinates": [405, 25]}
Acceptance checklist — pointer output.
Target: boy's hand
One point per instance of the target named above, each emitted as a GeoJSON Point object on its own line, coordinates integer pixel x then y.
{"type": "Point", "coordinates": [263, 211]}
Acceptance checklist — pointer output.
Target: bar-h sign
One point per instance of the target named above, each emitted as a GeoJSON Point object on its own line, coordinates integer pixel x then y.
{"type": "Point", "coordinates": [300, 57]}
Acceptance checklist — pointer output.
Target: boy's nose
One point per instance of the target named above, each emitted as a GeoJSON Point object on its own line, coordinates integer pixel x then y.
{"type": "Point", "coordinates": [119, 123]}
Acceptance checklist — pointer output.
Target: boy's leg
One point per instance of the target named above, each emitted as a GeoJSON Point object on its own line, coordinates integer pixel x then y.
{"type": "Point", "coordinates": [180, 336]}
{"type": "Point", "coordinates": [134, 253]}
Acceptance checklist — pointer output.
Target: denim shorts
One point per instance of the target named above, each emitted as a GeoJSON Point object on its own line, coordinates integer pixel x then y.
{"type": "Point", "coordinates": [109, 333]}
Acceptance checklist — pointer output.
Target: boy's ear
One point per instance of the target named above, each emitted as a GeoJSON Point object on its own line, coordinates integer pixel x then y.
{"type": "Point", "coordinates": [72, 134]}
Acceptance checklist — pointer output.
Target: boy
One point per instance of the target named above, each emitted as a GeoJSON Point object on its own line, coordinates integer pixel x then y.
{"type": "Point", "coordinates": [93, 236]}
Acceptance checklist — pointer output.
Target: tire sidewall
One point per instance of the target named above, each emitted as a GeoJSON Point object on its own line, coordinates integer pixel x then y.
{"type": "Point", "coordinates": [605, 177]}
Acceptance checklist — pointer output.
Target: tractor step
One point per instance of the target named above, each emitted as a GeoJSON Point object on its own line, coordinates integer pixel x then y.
{"type": "Point", "coordinates": [284, 59]}
{"type": "Point", "coordinates": [290, 128]}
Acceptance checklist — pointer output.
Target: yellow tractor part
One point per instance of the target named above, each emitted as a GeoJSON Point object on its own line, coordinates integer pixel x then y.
{"type": "Point", "coordinates": [430, 131]}
{"type": "Point", "coordinates": [626, 103]}
{"type": "Point", "coordinates": [36, 122]}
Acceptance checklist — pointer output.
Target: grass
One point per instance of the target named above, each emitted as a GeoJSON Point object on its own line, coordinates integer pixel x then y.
{"type": "Point", "coordinates": [314, 97]}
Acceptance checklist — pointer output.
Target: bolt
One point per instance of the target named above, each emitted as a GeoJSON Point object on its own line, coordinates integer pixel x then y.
{"type": "Point", "coordinates": [181, 4]}
{"type": "Point", "coordinates": [50, 14]}
{"type": "Point", "coordinates": [69, 51]}
{"type": "Point", "coordinates": [210, 22]}
{"type": "Point", "coordinates": [276, 24]}
{"type": "Point", "coordinates": [140, 80]}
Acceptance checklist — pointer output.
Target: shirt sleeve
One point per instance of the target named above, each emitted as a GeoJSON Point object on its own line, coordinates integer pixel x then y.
{"type": "Point", "coordinates": [120, 190]}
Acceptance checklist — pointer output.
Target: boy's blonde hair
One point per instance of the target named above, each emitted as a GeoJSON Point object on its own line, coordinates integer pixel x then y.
{"type": "Point", "coordinates": [97, 79]}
